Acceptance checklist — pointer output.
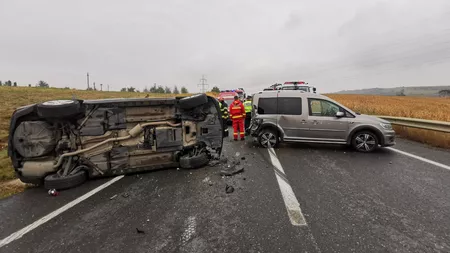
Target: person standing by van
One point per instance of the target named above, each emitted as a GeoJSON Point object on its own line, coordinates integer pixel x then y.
{"type": "Point", "coordinates": [225, 116]}
{"type": "Point", "coordinates": [237, 113]}
{"type": "Point", "coordinates": [248, 112]}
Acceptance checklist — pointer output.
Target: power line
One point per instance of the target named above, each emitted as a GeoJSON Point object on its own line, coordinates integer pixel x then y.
{"type": "Point", "coordinates": [203, 84]}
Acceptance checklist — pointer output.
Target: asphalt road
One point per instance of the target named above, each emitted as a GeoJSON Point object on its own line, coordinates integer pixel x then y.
{"type": "Point", "coordinates": [350, 202]}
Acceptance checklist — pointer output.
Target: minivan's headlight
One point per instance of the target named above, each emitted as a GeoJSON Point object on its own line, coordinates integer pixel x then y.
{"type": "Point", "coordinates": [387, 126]}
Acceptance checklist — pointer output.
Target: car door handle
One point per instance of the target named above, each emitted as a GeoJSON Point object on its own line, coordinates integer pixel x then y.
{"type": "Point", "coordinates": [303, 121]}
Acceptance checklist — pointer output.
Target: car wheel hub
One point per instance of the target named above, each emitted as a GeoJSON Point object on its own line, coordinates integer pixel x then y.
{"type": "Point", "coordinates": [365, 142]}
{"type": "Point", "coordinates": [268, 140]}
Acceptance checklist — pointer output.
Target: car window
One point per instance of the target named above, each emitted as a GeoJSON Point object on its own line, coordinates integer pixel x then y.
{"type": "Point", "coordinates": [290, 106]}
{"type": "Point", "coordinates": [267, 106]}
{"type": "Point", "coordinates": [318, 107]}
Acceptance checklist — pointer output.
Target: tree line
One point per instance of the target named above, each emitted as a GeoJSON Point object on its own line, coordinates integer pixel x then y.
{"type": "Point", "coordinates": [9, 83]}
{"type": "Point", "coordinates": [158, 89]}
{"type": "Point", "coordinates": [153, 89]}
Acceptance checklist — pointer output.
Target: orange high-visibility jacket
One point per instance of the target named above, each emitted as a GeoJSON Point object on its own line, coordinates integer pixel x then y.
{"type": "Point", "coordinates": [237, 110]}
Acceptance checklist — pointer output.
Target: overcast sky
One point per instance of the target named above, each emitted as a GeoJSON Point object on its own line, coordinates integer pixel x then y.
{"type": "Point", "coordinates": [334, 45]}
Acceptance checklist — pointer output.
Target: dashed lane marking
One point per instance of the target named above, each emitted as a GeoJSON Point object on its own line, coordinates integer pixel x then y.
{"type": "Point", "coordinates": [292, 206]}
{"type": "Point", "coordinates": [17, 235]}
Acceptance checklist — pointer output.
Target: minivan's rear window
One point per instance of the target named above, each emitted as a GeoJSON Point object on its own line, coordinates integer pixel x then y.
{"type": "Point", "coordinates": [285, 106]}
{"type": "Point", "coordinates": [290, 106]}
{"type": "Point", "coordinates": [267, 106]}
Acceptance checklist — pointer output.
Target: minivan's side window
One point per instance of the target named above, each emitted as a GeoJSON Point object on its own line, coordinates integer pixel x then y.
{"type": "Point", "coordinates": [267, 106]}
{"type": "Point", "coordinates": [290, 106]}
{"type": "Point", "coordinates": [318, 107]}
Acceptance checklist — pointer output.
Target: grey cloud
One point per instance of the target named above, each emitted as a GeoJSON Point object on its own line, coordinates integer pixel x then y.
{"type": "Point", "coordinates": [333, 44]}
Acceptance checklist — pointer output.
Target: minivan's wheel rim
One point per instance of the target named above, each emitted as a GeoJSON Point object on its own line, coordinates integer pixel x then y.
{"type": "Point", "coordinates": [365, 142]}
{"type": "Point", "coordinates": [268, 139]}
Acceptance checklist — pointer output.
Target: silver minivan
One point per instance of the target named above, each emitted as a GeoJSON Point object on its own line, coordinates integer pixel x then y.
{"type": "Point", "coordinates": [298, 116]}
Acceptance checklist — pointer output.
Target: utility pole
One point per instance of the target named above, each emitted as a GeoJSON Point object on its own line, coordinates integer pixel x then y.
{"type": "Point", "coordinates": [88, 80]}
{"type": "Point", "coordinates": [108, 87]}
{"type": "Point", "coordinates": [101, 87]}
{"type": "Point", "coordinates": [94, 86]}
{"type": "Point", "coordinates": [203, 84]}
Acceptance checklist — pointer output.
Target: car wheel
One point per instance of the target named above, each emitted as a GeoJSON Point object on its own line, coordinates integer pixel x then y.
{"type": "Point", "coordinates": [55, 181]}
{"type": "Point", "coordinates": [58, 108]}
{"type": "Point", "coordinates": [193, 101]}
{"type": "Point", "coordinates": [268, 138]}
{"type": "Point", "coordinates": [192, 162]}
{"type": "Point", "coordinates": [365, 141]}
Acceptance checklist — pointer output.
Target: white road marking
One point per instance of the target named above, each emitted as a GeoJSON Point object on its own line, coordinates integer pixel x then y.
{"type": "Point", "coordinates": [189, 231]}
{"type": "Point", "coordinates": [16, 235]}
{"type": "Point", "coordinates": [293, 207]}
{"type": "Point", "coordinates": [420, 158]}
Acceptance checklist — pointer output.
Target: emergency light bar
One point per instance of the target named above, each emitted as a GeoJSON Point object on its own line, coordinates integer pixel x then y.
{"type": "Point", "coordinates": [299, 82]}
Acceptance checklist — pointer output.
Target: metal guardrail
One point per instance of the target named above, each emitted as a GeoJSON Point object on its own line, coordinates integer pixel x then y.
{"type": "Point", "coordinates": [440, 126]}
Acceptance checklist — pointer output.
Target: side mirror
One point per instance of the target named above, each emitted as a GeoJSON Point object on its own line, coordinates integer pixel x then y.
{"type": "Point", "coordinates": [314, 90]}
{"type": "Point", "coordinates": [340, 114]}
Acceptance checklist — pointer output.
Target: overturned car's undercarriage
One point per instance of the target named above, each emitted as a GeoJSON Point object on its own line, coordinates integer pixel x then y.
{"type": "Point", "coordinates": [61, 143]}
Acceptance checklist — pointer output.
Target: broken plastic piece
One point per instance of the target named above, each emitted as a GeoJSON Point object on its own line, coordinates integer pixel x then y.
{"type": "Point", "coordinates": [229, 189]}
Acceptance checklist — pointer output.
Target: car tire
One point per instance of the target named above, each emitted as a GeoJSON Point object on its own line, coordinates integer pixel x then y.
{"type": "Point", "coordinates": [193, 162]}
{"type": "Point", "coordinates": [365, 141]}
{"type": "Point", "coordinates": [268, 135]}
{"type": "Point", "coordinates": [54, 181]}
{"type": "Point", "coordinates": [193, 101]}
{"type": "Point", "coordinates": [58, 108]}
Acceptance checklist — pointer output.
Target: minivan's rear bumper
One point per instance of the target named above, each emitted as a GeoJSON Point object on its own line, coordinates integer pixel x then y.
{"type": "Point", "coordinates": [388, 139]}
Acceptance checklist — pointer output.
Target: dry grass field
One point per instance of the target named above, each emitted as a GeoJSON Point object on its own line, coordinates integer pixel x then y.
{"type": "Point", "coordinates": [413, 107]}
{"type": "Point", "coordinates": [433, 108]}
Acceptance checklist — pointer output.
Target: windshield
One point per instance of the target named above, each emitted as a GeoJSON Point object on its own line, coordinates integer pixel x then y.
{"type": "Point", "coordinates": [229, 101]}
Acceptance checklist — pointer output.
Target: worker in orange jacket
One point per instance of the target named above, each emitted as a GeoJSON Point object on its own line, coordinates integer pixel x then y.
{"type": "Point", "coordinates": [237, 113]}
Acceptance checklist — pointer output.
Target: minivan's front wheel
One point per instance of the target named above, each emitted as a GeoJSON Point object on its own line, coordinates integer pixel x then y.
{"type": "Point", "coordinates": [268, 138]}
{"type": "Point", "coordinates": [365, 141]}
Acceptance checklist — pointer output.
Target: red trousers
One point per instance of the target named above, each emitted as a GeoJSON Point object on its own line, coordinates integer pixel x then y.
{"type": "Point", "coordinates": [238, 126]}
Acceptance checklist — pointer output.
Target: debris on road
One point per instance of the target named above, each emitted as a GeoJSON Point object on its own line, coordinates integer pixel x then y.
{"type": "Point", "coordinates": [125, 195]}
{"type": "Point", "coordinates": [213, 163]}
{"type": "Point", "coordinates": [243, 158]}
{"type": "Point", "coordinates": [231, 171]}
{"type": "Point", "coordinates": [208, 181]}
{"type": "Point", "coordinates": [53, 192]}
{"type": "Point", "coordinates": [229, 189]}
{"type": "Point", "coordinates": [218, 161]}
{"type": "Point", "coordinates": [140, 231]}
{"type": "Point", "coordinates": [113, 197]}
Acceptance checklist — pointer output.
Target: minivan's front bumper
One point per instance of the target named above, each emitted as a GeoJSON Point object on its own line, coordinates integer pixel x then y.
{"type": "Point", "coordinates": [388, 139]}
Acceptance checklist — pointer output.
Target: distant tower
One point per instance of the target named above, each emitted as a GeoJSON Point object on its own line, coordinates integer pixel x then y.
{"type": "Point", "coordinates": [101, 87]}
{"type": "Point", "coordinates": [88, 80]}
{"type": "Point", "coordinates": [203, 84]}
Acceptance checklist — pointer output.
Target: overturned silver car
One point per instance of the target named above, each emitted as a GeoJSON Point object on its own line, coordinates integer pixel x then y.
{"type": "Point", "coordinates": [62, 143]}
